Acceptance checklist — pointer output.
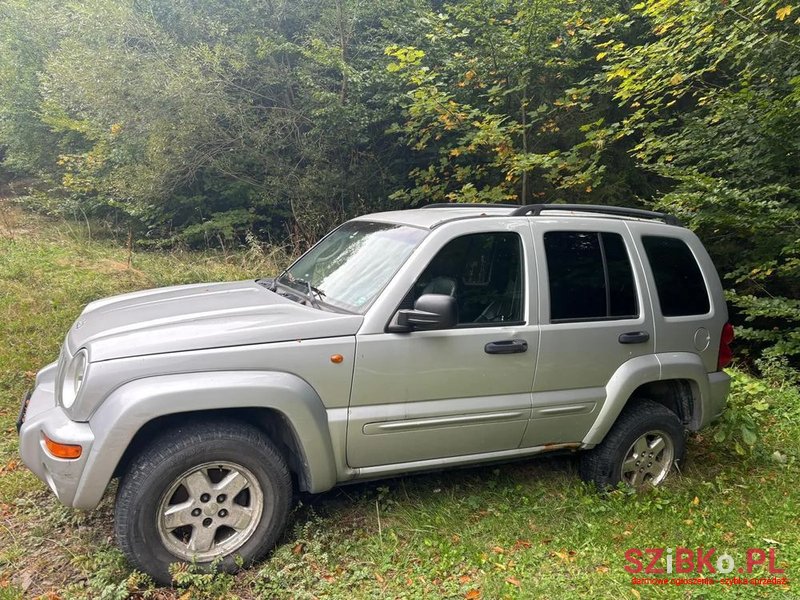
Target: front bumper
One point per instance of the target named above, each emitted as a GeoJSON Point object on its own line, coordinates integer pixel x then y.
{"type": "Point", "coordinates": [40, 416]}
{"type": "Point", "coordinates": [23, 409]}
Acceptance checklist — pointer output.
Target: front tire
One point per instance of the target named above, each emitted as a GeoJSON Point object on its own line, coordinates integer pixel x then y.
{"type": "Point", "coordinates": [640, 450]}
{"type": "Point", "coordinates": [203, 492]}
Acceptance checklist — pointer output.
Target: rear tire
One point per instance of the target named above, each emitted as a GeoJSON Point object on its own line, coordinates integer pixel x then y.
{"type": "Point", "coordinates": [203, 492]}
{"type": "Point", "coordinates": [640, 450]}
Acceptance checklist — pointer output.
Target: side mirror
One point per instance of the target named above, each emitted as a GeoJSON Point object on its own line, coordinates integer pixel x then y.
{"type": "Point", "coordinates": [431, 311]}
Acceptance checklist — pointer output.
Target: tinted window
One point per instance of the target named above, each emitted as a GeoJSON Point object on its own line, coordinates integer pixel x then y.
{"type": "Point", "coordinates": [484, 274]}
{"type": "Point", "coordinates": [590, 276]}
{"type": "Point", "coordinates": [680, 284]}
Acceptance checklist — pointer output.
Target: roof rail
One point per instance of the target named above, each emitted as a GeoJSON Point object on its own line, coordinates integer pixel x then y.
{"type": "Point", "coordinates": [469, 205]}
{"type": "Point", "coordinates": [537, 209]}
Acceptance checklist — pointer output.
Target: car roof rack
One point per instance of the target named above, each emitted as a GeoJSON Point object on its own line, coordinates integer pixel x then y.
{"type": "Point", "coordinates": [469, 205]}
{"type": "Point", "coordinates": [535, 210]}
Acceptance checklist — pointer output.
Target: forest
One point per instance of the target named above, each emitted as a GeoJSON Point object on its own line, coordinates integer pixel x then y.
{"type": "Point", "coordinates": [208, 123]}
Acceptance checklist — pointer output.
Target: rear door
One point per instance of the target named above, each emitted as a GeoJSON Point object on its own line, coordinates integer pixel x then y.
{"type": "Point", "coordinates": [595, 315]}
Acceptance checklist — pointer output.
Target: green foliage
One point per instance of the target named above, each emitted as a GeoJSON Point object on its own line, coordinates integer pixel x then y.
{"type": "Point", "coordinates": [8, 592]}
{"type": "Point", "coordinates": [166, 115]}
{"type": "Point", "coordinates": [203, 123]}
{"type": "Point", "coordinates": [709, 97]}
{"type": "Point", "coordinates": [745, 414]}
{"type": "Point", "coordinates": [200, 584]}
{"type": "Point", "coordinates": [485, 99]}
{"type": "Point", "coordinates": [755, 405]}
{"type": "Point", "coordinates": [108, 577]}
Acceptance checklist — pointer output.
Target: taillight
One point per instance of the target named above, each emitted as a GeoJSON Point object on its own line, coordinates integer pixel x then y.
{"type": "Point", "coordinates": [725, 352]}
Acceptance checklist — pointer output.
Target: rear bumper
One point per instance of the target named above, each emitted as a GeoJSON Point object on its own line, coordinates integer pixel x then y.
{"type": "Point", "coordinates": [40, 416]}
{"type": "Point", "coordinates": [719, 385]}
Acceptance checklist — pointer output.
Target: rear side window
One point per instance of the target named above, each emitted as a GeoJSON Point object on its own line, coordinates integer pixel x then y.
{"type": "Point", "coordinates": [679, 282]}
{"type": "Point", "coordinates": [590, 276]}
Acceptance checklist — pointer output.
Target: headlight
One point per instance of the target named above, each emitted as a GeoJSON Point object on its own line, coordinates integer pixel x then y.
{"type": "Point", "coordinates": [74, 375]}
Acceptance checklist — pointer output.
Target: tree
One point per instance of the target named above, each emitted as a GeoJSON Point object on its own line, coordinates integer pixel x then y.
{"type": "Point", "coordinates": [492, 110]}
{"type": "Point", "coordinates": [711, 94]}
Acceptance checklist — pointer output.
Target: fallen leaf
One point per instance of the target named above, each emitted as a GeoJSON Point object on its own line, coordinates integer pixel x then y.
{"type": "Point", "coordinates": [472, 595]}
{"type": "Point", "coordinates": [464, 579]}
{"type": "Point", "coordinates": [565, 555]}
{"type": "Point", "coordinates": [380, 579]}
{"type": "Point", "coordinates": [298, 548]}
{"type": "Point", "coordinates": [601, 569]}
{"type": "Point", "coordinates": [782, 13]}
{"type": "Point", "coordinates": [520, 544]}
{"type": "Point", "coordinates": [11, 465]}
{"type": "Point", "coordinates": [498, 550]}
{"type": "Point", "coordinates": [513, 581]}
{"type": "Point", "coordinates": [728, 536]}
{"type": "Point", "coordinates": [696, 501]}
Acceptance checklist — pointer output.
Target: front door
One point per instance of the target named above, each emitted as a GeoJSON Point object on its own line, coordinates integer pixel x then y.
{"type": "Point", "coordinates": [426, 395]}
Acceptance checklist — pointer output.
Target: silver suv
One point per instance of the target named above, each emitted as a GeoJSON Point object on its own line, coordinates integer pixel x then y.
{"type": "Point", "coordinates": [403, 341]}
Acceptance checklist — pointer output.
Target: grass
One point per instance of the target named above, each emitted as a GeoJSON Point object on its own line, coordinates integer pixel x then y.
{"type": "Point", "coordinates": [524, 530]}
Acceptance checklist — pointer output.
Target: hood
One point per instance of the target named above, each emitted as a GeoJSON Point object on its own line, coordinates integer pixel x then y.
{"type": "Point", "coordinates": [195, 317]}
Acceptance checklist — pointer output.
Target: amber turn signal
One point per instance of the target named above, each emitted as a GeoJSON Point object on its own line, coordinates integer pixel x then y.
{"type": "Point", "coordinates": [336, 358]}
{"type": "Point", "coordinates": [59, 450]}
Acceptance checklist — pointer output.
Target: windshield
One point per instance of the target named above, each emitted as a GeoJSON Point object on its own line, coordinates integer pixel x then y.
{"type": "Point", "coordinates": [350, 266]}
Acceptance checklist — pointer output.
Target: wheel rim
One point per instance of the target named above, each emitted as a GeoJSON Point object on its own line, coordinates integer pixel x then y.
{"type": "Point", "coordinates": [648, 460]}
{"type": "Point", "coordinates": [209, 511]}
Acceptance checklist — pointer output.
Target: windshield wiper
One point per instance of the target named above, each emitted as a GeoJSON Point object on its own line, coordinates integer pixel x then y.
{"type": "Point", "coordinates": [310, 295]}
{"type": "Point", "coordinates": [313, 294]}
{"type": "Point", "coordinates": [311, 288]}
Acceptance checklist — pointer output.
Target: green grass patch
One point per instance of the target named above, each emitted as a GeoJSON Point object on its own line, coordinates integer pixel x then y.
{"type": "Point", "coordinates": [523, 530]}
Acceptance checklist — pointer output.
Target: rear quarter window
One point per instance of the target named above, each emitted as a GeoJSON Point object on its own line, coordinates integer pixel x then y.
{"type": "Point", "coordinates": [679, 282]}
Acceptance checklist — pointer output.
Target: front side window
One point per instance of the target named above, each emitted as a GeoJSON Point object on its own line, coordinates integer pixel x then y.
{"type": "Point", "coordinates": [351, 265]}
{"type": "Point", "coordinates": [679, 282]}
{"type": "Point", "coordinates": [483, 272]}
{"type": "Point", "coordinates": [590, 276]}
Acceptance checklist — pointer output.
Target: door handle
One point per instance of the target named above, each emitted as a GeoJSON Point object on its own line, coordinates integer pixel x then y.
{"type": "Point", "coordinates": [506, 347]}
{"type": "Point", "coordinates": [634, 337]}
